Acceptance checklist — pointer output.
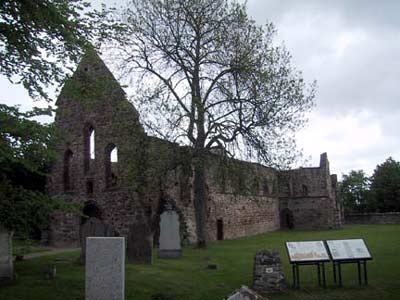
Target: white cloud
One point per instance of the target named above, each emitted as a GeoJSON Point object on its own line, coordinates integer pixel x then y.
{"type": "Point", "coordinates": [353, 141]}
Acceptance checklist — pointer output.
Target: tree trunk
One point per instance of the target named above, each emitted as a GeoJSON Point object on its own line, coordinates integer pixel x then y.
{"type": "Point", "coordinates": [200, 199]}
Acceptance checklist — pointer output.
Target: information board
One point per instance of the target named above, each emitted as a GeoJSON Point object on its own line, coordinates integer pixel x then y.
{"type": "Point", "coordinates": [307, 251]}
{"type": "Point", "coordinates": [348, 249]}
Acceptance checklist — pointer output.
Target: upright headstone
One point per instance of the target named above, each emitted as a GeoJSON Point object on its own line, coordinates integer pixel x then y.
{"type": "Point", "coordinates": [6, 263]}
{"type": "Point", "coordinates": [94, 227]}
{"type": "Point", "coordinates": [140, 243]}
{"type": "Point", "coordinates": [105, 268]}
{"type": "Point", "coordinates": [170, 239]}
{"type": "Point", "coordinates": [268, 275]}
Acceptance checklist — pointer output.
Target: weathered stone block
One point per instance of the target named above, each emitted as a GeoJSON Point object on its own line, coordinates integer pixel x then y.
{"type": "Point", "coordinates": [268, 274]}
{"type": "Point", "coordinates": [245, 293]}
{"type": "Point", "coordinates": [170, 241]}
{"type": "Point", "coordinates": [6, 263]}
{"type": "Point", "coordinates": [140, 243]}
{"type": "Point", "coordinates": [105, 268]}
{"type": "Point", "coordinates": [94, 228]}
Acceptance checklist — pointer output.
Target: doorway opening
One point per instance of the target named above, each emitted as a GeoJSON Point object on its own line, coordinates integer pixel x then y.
{"type": "Point", "coordinates": [220, 229]}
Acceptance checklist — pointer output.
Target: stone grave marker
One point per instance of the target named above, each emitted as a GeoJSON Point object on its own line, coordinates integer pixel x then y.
{"type": "Point", "coordinates": [170, 240]}
{"type": "Point", "coordinates": [6, 262]}
{"type": "Point", "coordinates": [245, 293]}
{"type": "Point", "coordinates": [268, 275]}
{"type": "Point", "coordinates": [105, 268]}
{"type": "Point", "coordinates": [94, 227]}
{"type": "Point", "coordinates": [140, 243]}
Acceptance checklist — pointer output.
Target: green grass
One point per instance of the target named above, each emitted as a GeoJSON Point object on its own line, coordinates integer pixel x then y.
{"type": "Point", "coordinates": [23, 247]}
{"type": "Point", "coordinates": [189, 279]}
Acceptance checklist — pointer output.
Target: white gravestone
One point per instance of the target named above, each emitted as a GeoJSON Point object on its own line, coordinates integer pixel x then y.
{"type": "Point", "coordinates": [6, 263]}
{"type": "Point", "coordinates": [170, 240]}
{"type": "Point", "coordinates": [105, 268]}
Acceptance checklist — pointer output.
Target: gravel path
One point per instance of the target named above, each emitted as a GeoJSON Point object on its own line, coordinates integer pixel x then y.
{"type": "Point", "coordinates": [51, 251]}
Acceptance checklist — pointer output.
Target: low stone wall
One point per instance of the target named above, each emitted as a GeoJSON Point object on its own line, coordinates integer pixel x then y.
{"type": "Point", "coordinates": [373, 218]}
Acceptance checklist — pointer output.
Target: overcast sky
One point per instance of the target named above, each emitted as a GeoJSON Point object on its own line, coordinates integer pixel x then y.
{"type": "Point", "coordinates": [352, 49]}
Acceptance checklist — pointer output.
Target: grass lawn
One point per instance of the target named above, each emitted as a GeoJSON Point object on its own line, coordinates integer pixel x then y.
{"type": "Point", "coordinates": [189, 279]}
{"type": "Point", "coordinates": [22, 247]}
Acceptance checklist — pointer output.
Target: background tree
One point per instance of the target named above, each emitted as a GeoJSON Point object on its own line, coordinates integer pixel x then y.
{"type": "Point", "coordinates": [385, 186]}
{"type": "Point", "coordinates": [24, 159]}
{"type": "Point", "coordinates": [40, 38]}
{"type": "Point", "coordinates": [354, 189]}
{"type": "Point", "coordinates": [210, 77]}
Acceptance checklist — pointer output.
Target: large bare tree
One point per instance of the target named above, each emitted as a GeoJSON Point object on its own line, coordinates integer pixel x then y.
{"type": "Point", "coordinates": [210, 77]}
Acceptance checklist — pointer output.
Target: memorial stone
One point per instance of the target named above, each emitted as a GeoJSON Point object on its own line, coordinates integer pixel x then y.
{"type": "Point", "coordinates": [170, 240]}
{"type": "Point", "coordinates": [6, 263]}
{"type": "Point", "coordinates": [245, 293]}
{"type": "Point", "coordinates": [268, 273]}
{"type": "Point", "coordinates": [105, 268]}
{"type": "Point", "coordinates": [140, 243]}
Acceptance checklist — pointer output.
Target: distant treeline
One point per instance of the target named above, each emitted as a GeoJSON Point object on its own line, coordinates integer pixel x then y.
{"type": "Point", "coordinates": [378, 193]}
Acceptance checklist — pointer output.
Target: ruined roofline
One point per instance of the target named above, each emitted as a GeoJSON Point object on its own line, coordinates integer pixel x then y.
{"type": "Point", "coordinates": [92, 67]}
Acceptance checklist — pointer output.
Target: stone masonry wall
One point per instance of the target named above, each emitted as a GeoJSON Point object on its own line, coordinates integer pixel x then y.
{"type": "Point", "coordinates": [373, 218]}
{"type": "Point", "coordinates": [309, 197]}
{"type": "Point", "coordinates": [243, 198]}
{"type": "Point", "coordinates": [92, 101]}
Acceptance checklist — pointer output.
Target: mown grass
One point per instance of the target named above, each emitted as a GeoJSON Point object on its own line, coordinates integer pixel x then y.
{"type": "Point", "coordinates": [23, 247]}
{"type": "Point", "coordinates": [189, 278]}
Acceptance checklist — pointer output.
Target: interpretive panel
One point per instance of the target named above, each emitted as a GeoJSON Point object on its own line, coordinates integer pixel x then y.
{"type": "Point", "coordinates": [307, 251]}
{"type": "Point", "coordinates": [348, 249]}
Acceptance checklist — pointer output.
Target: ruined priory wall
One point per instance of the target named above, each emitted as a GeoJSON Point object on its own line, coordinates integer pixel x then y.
{"type": "Point", "coordinates": [92, 101]}
{"type": "Point", "coordinates": [243, 197]}
{"type": "Point", "coordinates": [307, 195]}
{"type": "Point", "coordinates": [373, 218]}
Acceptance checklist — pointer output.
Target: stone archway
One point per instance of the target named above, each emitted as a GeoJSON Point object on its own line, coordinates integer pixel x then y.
{"type": "Point", "coordinates": [91, 210]}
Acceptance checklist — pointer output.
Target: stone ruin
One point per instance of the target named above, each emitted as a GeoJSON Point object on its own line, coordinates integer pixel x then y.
{"type": "Point", "coordinates": [268, 273]}
{"type": "Point", "coordinates": [108, 160]}
{"type": "Point", "coordinates": [245, 293]}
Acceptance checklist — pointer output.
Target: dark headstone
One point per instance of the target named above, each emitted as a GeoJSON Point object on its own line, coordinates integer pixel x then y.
{"type": "Point", "coordinates": [94, 227]}
{"type": "Point", "coordinates": [6, 263]}
{"type": "Point", "coordinates": [140, 243]}
{"type": "Point", "coordinates": [268, 275]}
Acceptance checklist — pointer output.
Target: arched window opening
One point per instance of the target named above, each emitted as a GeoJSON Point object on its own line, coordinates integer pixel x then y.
{"type": "Point", "coordinates": [304, 190]}
{"type": "Point", "coordinates": [89, 146]}
{"type": "Point", "coordinates": [114, 155]}
{"type": "Point", "coordinates": [67, 180]}
{"type": "Point", "coordinates": [289, 189]}
{"type": "Point", "coordinates": [266, 188]}
{"type": "Point", "coordinates": [91, 210]}
{"type": "Point", "coordinates": [111, 161]}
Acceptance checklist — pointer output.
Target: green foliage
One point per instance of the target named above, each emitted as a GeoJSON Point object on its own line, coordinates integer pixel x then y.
{"type": "Point", "coordinates": [24, 158]}
{"type": "Point", "coordinates": [385, 186]}
{"type": "Point", "coordinates": [40, 38]}
{"type": "Point", "coordinates": [354, 189]}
